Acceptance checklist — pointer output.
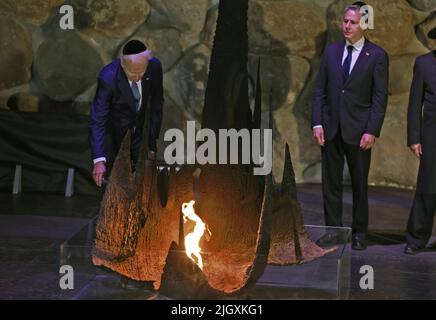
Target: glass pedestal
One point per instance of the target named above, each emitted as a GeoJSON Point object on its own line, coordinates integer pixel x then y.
{"type": "Point", "coordinates": [327, 277]}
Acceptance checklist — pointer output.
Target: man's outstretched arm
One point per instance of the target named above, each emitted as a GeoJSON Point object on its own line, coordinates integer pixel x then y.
{"type": "Point", "coordinates": [97, 127]}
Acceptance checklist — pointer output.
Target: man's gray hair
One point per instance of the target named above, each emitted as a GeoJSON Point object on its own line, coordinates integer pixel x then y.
{"type": "Point", "coordinates": [352, 7]}
{"type": "Point", "coordinates": [125, 57]}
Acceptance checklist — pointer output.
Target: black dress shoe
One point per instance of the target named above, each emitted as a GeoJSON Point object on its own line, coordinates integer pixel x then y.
{"type": "Point", "coordinates": [329, 239]}
{"type": "Point", "coordinates": [411, 249]}
{"type": "Point", "coordinates": [358, 244]}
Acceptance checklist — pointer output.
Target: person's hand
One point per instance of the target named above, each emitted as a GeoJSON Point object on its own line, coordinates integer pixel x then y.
{"type": "Point", "coordinates": [151, 155]}
{"type": "Point", "coordinates": [318, 133]}
{"type": "Point", "coordinates": [416, 149]}
{"type": "Point", "coordinates": [98, 173]}
{"type": "Point", "coordinates": [367, 141]}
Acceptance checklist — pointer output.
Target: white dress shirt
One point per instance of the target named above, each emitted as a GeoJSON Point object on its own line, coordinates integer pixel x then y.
{"type": "Point", "coordinates": [139, 83]}
{"type": "Point", "coordinates": [357, 49]}
{"type": "Point", "coordinates": [140, 90]}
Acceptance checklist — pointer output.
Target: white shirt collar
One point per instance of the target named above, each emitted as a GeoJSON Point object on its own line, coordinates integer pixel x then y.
{"type": "Point", "coordinates": [137, 82]}
{"type": "Point", "coordinates": [358, 46]}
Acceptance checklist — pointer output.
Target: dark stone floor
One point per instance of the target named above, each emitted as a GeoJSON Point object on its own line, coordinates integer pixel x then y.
{"type": "Point", "coordinates": [396, 275]}
{"type": "Point", "coordinates": [33, 226]}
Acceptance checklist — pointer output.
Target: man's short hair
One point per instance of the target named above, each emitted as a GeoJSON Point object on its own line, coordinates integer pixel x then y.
{"type": "Point", "coordinates": [353, 7]}
{"type": "Point", "coordinates": [134, 47]}
{"type": "Point", "coordinates": [359, 3]}
{"type": "Point", "coordinates": [432, 33]}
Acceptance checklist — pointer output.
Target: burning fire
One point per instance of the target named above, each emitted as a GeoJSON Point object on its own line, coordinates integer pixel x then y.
{"type": "Point", "coordinates": [192, 240]}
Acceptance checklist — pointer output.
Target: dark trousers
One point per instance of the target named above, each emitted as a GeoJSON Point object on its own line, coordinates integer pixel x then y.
{"type": "Point", "coordinates": [420, 225]}
{"type": "Point", "coordinates": [358, 161]}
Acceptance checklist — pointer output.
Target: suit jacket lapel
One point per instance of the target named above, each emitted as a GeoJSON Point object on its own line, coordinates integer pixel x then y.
{"type": "Point", "coordinates": [364, 55]}
{"type": "Point", "coordinates": [145, 86]}
{"type": "Point", "coordinates": [123, 85]}
{"type": "Point", "coordinates": [339, 54]}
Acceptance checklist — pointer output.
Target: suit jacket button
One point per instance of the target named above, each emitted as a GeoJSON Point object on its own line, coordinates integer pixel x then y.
{"type": "Point", "coordinates": [343, 91]}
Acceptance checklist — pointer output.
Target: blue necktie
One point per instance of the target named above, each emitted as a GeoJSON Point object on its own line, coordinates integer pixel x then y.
{"type": "Point", "coordinates": [136, 95]}
{"type": "Point", "coordinates": [347, 63]}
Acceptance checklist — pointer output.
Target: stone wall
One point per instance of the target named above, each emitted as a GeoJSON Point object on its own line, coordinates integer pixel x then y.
{"type": "Point", "coordinates": [46, 69]}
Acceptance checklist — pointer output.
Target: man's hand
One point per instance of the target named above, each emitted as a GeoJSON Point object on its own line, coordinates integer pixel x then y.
{"type": "Point", "coordinates": [367, 141]}
{"type": "Point", "coordinates": [416, 149]}
{"type": "Point", "coordinates": [98, 173]}
{"type": "Point", "coordinates": [318, 133]}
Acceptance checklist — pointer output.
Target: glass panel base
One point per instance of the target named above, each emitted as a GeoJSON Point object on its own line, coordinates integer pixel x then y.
{"type": "Point", "coordinates": [327, 277]}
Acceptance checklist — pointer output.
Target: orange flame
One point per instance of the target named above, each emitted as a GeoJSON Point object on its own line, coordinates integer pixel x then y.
{"type": "Point", "coordinates": [192, 240]}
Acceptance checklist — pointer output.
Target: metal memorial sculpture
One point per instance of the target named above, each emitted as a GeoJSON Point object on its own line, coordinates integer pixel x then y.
{"type": "Point", "coordinates": [204, 230]}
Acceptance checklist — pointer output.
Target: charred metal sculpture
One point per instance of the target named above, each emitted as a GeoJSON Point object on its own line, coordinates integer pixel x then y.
{"type": "Point", "coordinates": [253, 222]}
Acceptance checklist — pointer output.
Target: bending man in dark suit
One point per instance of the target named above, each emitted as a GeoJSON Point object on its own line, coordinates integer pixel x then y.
{"type": "Point", "coordinates": [126, 88]}
{"type": "Point", "coordinates": [349, 106]}
{"type": "Point", "coordinates": [421, 138]}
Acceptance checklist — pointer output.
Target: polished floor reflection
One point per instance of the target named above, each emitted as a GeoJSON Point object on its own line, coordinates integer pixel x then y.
{"type": "Point", "coordinates": [33, 226]}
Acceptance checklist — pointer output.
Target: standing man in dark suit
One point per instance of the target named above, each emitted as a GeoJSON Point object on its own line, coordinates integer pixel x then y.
{"type": "Point", "coordinates": [126, 88]}
{"type": "Point", "coordinates": [349, 106]}
{"type": "Point", "coordinates": [421, 138]}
